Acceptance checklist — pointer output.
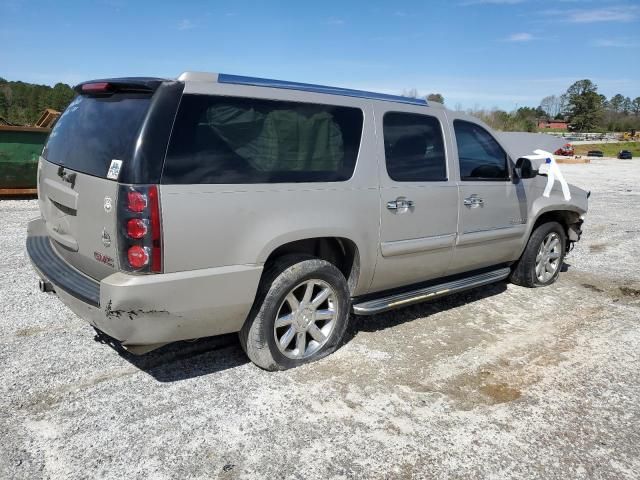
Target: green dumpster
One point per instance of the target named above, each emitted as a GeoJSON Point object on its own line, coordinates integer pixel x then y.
{"type": "Point", "coordinates": [20, 148]}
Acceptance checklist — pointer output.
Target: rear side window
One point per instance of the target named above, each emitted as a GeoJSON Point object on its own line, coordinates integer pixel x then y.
{"type": "Point", "coordinates": [414, 148]}
{"type": "Point", "coordinates": [218, 139]}
{"type": "Point", "coordinates": [92, 131]}
{"type": "Point", "coordinates": [481, 157]}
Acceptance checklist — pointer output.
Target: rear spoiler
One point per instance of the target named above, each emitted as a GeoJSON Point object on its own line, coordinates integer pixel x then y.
{"type": "Point", "coordinates": [108, 86]}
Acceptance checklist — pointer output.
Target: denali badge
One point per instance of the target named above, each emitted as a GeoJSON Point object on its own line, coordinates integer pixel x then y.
{"type": "Point", "coordinates": [106, 238]}
{"type": "Point", "coordinates": [114, 169]}
{"type": "Point", "coordinates": [107, 204]}
{"type": "Point", "coordinates": [107, 260]}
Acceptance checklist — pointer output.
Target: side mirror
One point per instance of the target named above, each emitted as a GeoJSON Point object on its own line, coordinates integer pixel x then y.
{"type": "Point", "coordinates": [524, 168]}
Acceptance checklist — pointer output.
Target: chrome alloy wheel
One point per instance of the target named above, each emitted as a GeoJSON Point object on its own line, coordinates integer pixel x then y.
{"type": "Point", "coordinates": [548, 257]}
{"type": "Point", "coordinates": [306, 318]}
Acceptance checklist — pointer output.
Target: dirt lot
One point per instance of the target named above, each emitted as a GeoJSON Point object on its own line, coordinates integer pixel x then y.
{"type": "Point", "coordinates": [502, 382]}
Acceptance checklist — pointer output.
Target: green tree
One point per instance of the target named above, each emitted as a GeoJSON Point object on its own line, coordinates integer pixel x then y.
{"type": "Point", "coordinates": [413, 93]}
{"type": "Point", "coordinates": [635, 106]}
{"type": "Point", "coordinates": [60, 96]}
{"type": "Point", "coordinates": [616, 103]}
{"type": "Point", "coordinates": [435, 97]}
{"type": "Point", "coordinates": [22, 103]}
{"type": "Point", "coordinates": [3, 104]}
{"type": "Point", "coordinates": [584, 105]}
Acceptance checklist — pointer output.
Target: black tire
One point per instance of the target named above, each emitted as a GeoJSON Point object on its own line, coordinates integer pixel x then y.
{"type": "Point", "coordinates": [281, 277]}
{"type": "Point", "coordinates": [524, 271]}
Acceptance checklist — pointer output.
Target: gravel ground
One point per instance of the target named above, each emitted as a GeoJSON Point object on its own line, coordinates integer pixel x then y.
{"type": "Point", "coordinates": [501, 382]}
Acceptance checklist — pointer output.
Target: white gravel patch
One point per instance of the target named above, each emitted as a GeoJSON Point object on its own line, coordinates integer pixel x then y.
{"type": "Point", "coordinates": [501, 382]}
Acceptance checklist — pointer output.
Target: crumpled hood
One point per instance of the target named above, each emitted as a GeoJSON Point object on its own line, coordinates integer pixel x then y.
{"type": "Point", "coordinates": [520, 144]}
{"type": "Point", "coordinates": [579, 198]}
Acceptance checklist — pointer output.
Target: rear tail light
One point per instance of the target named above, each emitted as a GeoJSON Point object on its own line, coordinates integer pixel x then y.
{"type": "Point", "coordinates": [140, 227]}
{"type": "Point", "coordinates": [137, 256]}
{"type": "Point", "coordinates": [136, 201]}
{"type": "Point", "coordinates": [156, 230]}
{"type": "Point", "coordinates": [136, 228]}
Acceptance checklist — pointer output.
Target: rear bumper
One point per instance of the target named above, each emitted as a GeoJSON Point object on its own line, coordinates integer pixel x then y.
{"type": "Point", "coordinates": [153, 309]}
{"type": "Point", "coordinates": [54, 268]}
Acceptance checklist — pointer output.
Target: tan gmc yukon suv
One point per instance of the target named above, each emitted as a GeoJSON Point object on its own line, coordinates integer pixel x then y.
{"type": "Point", "coordinates": [210, 204]}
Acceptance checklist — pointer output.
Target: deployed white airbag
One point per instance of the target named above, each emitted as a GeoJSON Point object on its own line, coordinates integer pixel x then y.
{"type": "Point", "coordinates": [545, 163]}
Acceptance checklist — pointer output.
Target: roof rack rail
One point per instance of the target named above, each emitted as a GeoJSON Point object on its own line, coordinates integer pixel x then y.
{"type": "Point", "coordinates": [308, 87]}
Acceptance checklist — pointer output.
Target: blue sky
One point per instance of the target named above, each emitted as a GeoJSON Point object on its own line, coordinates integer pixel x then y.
{"type": "Point", "coordinates": [477, 53]}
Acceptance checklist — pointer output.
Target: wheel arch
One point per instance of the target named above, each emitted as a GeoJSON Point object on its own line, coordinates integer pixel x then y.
{"type": "Point", "coordinates": [340, 251]}
{"type": "Point", "coordinates": [566, 218]}
{"type": "Point", "coordinates": [570, 220]}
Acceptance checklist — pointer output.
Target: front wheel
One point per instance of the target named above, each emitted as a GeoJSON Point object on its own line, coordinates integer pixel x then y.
{"type": "Point", "coordinates": [300, 313]}
{"type": "Point", "coordinates": [542, 258]}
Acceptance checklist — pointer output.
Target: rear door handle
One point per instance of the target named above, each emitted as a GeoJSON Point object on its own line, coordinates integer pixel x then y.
{"type": "Point", "coordinates": [400, 203]}
{"type": "Point", "coordinates": [473, 201]}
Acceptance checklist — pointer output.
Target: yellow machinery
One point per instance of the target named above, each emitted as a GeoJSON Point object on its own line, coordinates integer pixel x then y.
{"type": "Point", "coordinates": [632, 136]}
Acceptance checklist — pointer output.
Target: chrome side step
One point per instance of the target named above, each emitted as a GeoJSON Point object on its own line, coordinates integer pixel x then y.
{"type": "Point", "coordinates": [429, 293]}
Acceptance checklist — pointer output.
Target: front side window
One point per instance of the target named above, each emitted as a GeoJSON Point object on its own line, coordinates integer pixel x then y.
{"type": "Point", "coordinates": [218, 139]}
{"type": "Point", "coordinates": [414, 148]}
{"type": "Point", "coordinates": [480, 156]}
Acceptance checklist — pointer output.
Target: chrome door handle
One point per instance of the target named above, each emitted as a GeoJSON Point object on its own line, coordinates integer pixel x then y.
{"type": "Point", "coordinates": [473, 201]}
{"type": "Point", "coordinates": [400, 204]}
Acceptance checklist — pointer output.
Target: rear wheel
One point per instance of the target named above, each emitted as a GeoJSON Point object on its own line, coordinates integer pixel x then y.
{"type": "Point", "coordinates": [300, 313]}
{"type": "Point", "coordinates": [542, 259]}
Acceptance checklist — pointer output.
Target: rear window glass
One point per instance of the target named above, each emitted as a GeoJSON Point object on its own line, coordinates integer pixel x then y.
{"type": "Point", "coordinates": [220, 139]}
{"type": "Point", "coordinates": [92, 131]}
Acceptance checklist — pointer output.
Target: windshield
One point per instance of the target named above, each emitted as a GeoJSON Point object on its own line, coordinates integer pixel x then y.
{"type": "Point", "coordinates": [93, 131]}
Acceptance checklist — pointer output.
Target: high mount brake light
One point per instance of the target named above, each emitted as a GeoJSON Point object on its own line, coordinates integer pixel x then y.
{"type": "Point", "coordinates": [97, 87]}
{"type": "Point", "coordinates": [116, 85]}
{"type": "Point", "coordinates": [140, 227]}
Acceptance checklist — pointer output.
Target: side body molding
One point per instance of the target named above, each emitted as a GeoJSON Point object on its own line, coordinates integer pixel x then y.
{"type": "Point", "coordinates": [416, 245]}
{"type": "Point", "coordinates": [468, 238]}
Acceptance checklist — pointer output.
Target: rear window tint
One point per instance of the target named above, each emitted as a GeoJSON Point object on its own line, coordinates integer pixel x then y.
{"type": "Point", "coordinates": [220, 139]}
{"type": "Point", "coordinates": [92, 131]}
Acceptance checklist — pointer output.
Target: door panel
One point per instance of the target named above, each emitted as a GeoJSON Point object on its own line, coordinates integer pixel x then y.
{"type": "Point", "coordinates": [492, 206]}
{"type": "Point", "coordinates": [490, 232]}
{"type": "Point", "coordinates": [418, 223]}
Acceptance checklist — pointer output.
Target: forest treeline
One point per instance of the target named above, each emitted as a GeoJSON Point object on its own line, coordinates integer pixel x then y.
{"type": "Point", "coordinates": [22, 103]}
{"type": "Point", "coordinates": [581, 105]}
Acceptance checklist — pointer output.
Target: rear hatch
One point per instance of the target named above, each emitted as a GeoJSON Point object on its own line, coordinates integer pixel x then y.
{"type": "Point", "coordinates": [95, 145]}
